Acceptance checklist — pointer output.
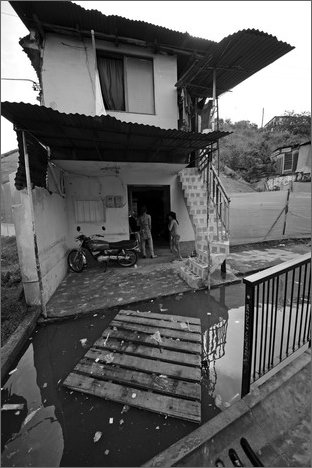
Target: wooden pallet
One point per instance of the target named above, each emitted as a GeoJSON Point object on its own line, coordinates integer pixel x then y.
{"type": "Point", "coordinates": [128, 365]}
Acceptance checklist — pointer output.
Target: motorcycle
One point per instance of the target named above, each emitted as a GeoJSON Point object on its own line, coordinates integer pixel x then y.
{"type": "Point", "coordinates": [124, 252]}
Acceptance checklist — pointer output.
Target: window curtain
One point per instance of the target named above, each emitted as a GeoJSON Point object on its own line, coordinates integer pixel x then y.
{"type": "Point", "coordinates": [112, 82]}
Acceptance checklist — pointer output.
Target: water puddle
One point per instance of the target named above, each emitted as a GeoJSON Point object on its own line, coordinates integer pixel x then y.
{"type": "Point", "coordinates": [59, 427]}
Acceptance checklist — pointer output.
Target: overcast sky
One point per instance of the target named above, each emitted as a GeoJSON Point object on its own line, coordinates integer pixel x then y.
{"type": "Point", "coordinates": [283, 85]}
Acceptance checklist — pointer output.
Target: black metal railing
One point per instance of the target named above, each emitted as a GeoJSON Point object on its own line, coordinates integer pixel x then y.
{"type": "Point", "coordinates": [277, 317]}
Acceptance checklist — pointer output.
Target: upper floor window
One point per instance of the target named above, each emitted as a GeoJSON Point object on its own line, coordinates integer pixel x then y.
{"type": "Point", "coordinates": [127, 83]}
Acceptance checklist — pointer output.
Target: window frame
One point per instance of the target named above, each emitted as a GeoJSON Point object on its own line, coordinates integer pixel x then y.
{"type": "Point", "coordinates": [123, 57]}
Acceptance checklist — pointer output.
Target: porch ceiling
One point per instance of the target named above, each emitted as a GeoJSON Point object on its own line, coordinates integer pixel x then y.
{"type": "Point", "coordinates": [79, 137]}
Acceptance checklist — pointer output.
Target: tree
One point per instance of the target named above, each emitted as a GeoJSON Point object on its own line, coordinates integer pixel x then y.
{"type": "Point", "coordinates": [296, 124]}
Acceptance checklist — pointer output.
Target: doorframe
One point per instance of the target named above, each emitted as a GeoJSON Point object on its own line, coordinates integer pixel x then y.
{"type": "Point", "coordinates": [131, 188]}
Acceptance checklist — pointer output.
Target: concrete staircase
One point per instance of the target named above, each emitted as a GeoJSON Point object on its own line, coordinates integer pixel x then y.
{"type": "Point", "coordinates": [195, 270]}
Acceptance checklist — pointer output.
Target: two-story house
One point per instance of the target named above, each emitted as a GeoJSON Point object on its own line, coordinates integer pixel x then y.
{"type": "Point", "coordinates": [119, 126]}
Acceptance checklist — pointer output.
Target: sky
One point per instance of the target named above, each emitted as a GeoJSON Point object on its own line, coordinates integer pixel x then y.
{"type": "Point", "coordinates": [283, 86]}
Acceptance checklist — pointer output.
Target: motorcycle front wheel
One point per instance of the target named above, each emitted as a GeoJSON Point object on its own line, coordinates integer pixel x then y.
{"type": "Point", "coordinates": [75, 260]}
{"type": "Point", "coordinates": [127, 259]}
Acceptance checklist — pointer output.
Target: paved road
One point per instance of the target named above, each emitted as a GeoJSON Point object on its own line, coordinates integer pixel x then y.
{"type": "Point", "coordinates": [252, 215]}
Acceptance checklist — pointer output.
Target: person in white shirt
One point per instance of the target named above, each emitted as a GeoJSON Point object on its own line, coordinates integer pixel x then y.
{"type": "Point", "coordinates": [174, 234]}
{"type": "Point", "coordinates": [145, 224]}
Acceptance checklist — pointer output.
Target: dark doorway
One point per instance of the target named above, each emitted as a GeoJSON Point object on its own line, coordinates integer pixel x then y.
{"type": "Point", "coordinates": [156, 198]}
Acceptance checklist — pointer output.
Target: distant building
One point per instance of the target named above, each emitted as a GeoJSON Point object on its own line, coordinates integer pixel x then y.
{"type": "Point", "coordinates": [285, 159]}
{"type": "Point", "coordinates": [279, 122]}
{"type": "Point", "coordinates": [293, 162]}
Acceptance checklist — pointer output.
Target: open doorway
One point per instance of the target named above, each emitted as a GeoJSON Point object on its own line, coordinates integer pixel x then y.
{"type": "Point", "coordinates": [156, 198]}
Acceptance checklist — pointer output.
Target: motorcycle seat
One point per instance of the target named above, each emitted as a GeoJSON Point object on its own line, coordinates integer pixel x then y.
{"type": "Point", "coordinates": [125, 244]}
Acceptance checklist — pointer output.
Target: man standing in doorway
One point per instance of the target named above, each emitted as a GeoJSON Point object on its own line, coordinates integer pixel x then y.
{"type": "Point", "coordinates": [145, 225]}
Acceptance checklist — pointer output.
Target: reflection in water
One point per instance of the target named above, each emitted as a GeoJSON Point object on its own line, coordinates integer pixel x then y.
{"type": "Point", "coordinates": [36, 439]}
{"type": "Point", "coordinates": [214, 340]}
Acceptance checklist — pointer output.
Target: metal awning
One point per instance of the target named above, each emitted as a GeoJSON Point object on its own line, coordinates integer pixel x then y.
{"type": "Point", "coordinates": [100, 138]}
{"type": "Point", "coordinates": [236, 58]}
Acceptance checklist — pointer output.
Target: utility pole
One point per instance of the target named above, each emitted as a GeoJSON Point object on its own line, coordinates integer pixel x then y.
{"type": "Point", "coordinates": [262, 117]}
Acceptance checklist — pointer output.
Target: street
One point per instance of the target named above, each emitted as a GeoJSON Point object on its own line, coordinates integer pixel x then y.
{"type": "Point", "coordinates": [253, 214]}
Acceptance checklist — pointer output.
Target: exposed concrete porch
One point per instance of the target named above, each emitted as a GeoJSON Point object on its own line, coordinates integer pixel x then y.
{"type": "Point", "coordinates": [93, 289]}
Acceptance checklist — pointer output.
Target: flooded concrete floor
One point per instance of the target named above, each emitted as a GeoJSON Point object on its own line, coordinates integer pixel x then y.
{"type": "Point", "coordinates": [57, 426]}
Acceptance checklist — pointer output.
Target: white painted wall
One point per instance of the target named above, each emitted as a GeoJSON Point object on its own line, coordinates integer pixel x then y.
{"type": "Point", "coordinates": [52, 237]}
{"type": "Point", "coordinates": [68, 79]}
{"type": "Point", "coordinates": [97, 180]}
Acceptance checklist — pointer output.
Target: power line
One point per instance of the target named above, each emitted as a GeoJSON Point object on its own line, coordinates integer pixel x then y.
{"type": "Point", "coordinates": [8, 14]}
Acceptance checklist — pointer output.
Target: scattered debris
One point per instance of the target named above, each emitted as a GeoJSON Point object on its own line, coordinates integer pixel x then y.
{"type": "Point", "coordinates": [83, 342]}
{"type": "Point", "coordinates": [106, 339]}
{"type": "Point", "coordinates": [108, 358]}
{"type": "Point", "coordinates": [97, 436]}
{"type": "Point", "coordinates": [111, 420]}
{"type": "Point", "coordinates": [10, 455]}
{"type": "Point", "coordinates": [12, 371]}
{"type": "Point", "coordinates": [30, 416]}
{"type": "Point", "coordinates": [218, 401]}
{"type": "Point", "coordinates": [156, 337]}
{"type": "Point", "coordinates": [125, 409]}
{"type": "Point", "coordinates": [106, 452]}
{"type": "Point", "coordinates": [12, 406]}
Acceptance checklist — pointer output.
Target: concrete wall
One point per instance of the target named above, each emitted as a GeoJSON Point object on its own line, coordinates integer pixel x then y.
{"type": "Point", "coordinates": [98, 187]}
{"type": "Point", "coordinates": [68, 79]}
{"type": "Point", "coordinates": [52, 235]}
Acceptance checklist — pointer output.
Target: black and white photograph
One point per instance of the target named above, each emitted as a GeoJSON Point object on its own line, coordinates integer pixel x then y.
{"type": "Point", "coordinates": [156, 233]}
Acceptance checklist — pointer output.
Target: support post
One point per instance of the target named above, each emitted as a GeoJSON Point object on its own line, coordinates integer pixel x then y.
{"type": "Point", "coordinates": [214, 97]}
{"type": "Point", "coordinates": [218, 149]}
{"type": "Point", "coordinates": [248, 338]}
{"type": "Point", "coordinates": [29, 192]}
{"type": "Point", "coordinates": [208, 203]}
{"type": "Point", "coordinates": [286, 211]}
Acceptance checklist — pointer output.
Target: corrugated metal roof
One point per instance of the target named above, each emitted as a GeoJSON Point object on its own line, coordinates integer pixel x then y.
{"type": "Point", "coordinates": [101, 138]}
{"type": "Point", "coordinates": [241, 54]}
{"type": "Point", "coordinates": [70, 15]}
{"type": "Point", "coordinates": [236, 58]}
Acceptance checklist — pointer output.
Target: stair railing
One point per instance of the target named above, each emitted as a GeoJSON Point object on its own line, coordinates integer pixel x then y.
{"type": "Point", "coordinates": [217, 192]}
{"type": "Point", "coordinates": [220, 199]}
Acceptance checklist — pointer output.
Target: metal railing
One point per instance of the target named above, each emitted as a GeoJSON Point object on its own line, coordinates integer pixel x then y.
{"type": "Point", "coordinates": [217, 193]}
{"type": "Point", "coordinates": [277, 317]}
